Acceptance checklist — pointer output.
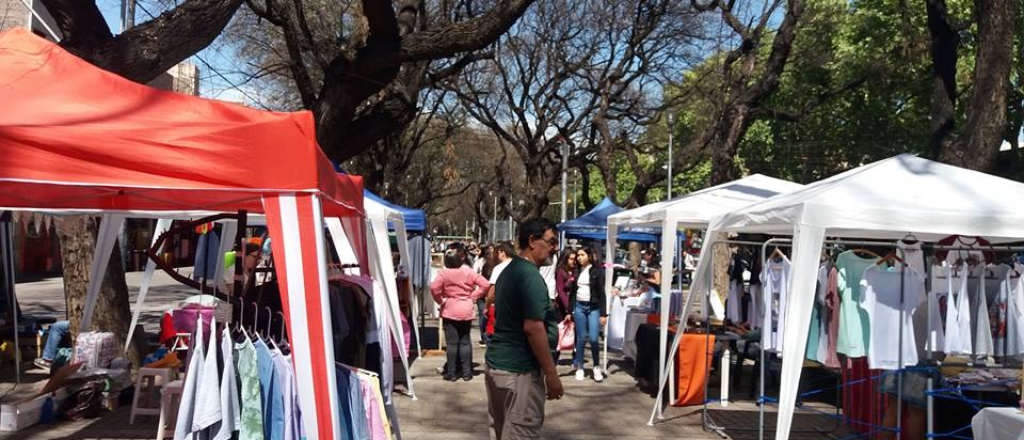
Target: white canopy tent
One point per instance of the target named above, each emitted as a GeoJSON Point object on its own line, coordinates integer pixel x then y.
{"type": "Point", "coordinates": [883, 200]}
{"type": "Point", "coordinates": [692, 211]}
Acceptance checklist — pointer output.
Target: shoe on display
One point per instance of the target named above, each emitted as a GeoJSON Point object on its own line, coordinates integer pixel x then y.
{"type": "Point", "coordinates": [580, 375]}
{"type": "Point", "coordinates": [597, 375]}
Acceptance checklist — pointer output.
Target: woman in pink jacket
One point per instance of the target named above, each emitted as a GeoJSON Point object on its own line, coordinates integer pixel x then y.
{"type": "Point", "coordinates": [456, 289]}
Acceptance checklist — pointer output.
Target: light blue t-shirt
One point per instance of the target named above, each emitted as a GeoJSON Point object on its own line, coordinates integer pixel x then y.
{"type": "Point", "coordinates": [272, 398]}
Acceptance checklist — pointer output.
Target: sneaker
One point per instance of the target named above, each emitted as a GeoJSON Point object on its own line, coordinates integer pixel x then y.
{"type": "Point", "coordinates": [580, 375]}
{"type": "Point", "coordinates": [439, 370]}
{"type": "Point", "coordinates": [481, 344]}
{"type": "Point", "coordinates": [467, 378]}
{"type": "Point", "coordinates": [597, 375]}
{"type": "Point", "coordinates": [43, 363]}
{"type": "Point", "coordinates": [450, 378]}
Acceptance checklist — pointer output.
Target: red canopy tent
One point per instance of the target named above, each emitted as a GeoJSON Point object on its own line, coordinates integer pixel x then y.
{"type": "Point", "coordinates": [76, 138]}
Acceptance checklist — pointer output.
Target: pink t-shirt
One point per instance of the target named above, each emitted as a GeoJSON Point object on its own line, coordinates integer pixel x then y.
{"type": "Point", "coordinates": [457, 290]}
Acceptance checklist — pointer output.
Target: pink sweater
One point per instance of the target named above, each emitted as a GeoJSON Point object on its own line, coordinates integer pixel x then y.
{"type": "Point", "coordinates": [457, 290]}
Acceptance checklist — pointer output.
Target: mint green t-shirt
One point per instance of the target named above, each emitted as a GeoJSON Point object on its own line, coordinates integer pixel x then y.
{"type": "Point", "coordinates": [853, 320]}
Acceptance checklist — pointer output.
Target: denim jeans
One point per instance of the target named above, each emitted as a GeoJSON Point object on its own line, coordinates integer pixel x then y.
{"type": "Point", "coordinates": [58, 331]}
{"type": "Point", "coordinates": [459, 348]}
{"type": "Point", "coordinates": [481, 313]}
{"type": "Point", "coordinates": [587, 317]}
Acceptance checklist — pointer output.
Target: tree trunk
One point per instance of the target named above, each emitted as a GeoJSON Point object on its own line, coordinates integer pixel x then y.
{"type": "Point", "coordinates": [732, 130]}
{"type": "Point", "coordinates": [112, 313]}
{"type": "Point", "coordinates": [944, 45]}
{"type": "Point", "coordinates": [978, 144]}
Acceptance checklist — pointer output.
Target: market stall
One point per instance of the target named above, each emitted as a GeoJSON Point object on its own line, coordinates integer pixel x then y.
{"type": "Point", "coordinates": [593, 225]}
{"type": "Point", "coordinates": [78, 139]}
{"type": "Point", "coordinates": [692, 211]}
{"type": "Point", "coordinates": [885, 200]}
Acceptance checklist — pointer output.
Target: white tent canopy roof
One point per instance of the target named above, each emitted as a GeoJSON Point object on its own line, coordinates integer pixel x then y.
{"type": "Point", "coordinates": [378, 211]}
{"type": "Point", "coordinates": [696, 209]}
{"type": "Point", "coordinates": [890, 198]}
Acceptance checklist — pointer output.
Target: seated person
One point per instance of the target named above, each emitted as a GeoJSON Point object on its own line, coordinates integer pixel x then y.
{"type": "Point", "coordinates": [56, 339]}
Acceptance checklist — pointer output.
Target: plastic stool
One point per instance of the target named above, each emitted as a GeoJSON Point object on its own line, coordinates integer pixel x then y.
{"type": "Point", "coordinates": [169, 401]}
{"type": "Point", "coordinates": [146, 381]}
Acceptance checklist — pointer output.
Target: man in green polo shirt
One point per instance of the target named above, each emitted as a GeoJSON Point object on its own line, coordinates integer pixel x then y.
{"type": "Point", "coordinates": [519, 363]}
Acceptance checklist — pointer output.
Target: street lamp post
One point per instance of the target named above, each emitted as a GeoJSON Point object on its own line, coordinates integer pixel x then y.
{"type": "Point", "coordinates": [671, 130]}
{"type": "Point", "coordinates": [565, 178]}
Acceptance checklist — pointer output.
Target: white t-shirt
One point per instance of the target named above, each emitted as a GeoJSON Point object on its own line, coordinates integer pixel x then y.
{"type": "Point", "coordinates": [583, 285]}
{"type": "Point", "coordinates": [775, 282]}
{"type": "Point", "coordinates": [497, 270]}
{"type": "Point", "coordinates": [880, 299]}
{"type": "Point", "coordinates": [548, 273]}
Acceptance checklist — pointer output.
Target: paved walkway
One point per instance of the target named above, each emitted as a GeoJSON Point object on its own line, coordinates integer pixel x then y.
{"type": "Point", "coordinates": [613, 409]}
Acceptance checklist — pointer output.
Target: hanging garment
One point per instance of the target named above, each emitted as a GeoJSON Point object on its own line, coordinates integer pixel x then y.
{"type": "Point", "coordinates": [207, 409]}
{"type": "Point", "coordinates": [981, 330]}
{"type": "Point", "coordinates": [775, 282]}
{"type": "Point", "coordinates": [229, 406]}
{"type": "Point", "coordinates": [375, 386]}
{"type": "Point", "coordinates": [270, 391]}
{"type": "Point", "coordinates": [958, 314]}
{"type": "Point", "coordinates": [1014, 287]}
{"type": "Point", "coordinates": [970, 249]}
{"type": "Point", "coordinates": [827, 351]}
{"type": "Point", "coordinates": [734, 301]}
{"type": "Point", "coordinates": [755, 316]}
{"type": "Point", "coordinates": [251, 427]}
{"type": "Point", "coordinates": [912, 255]}
{"type": "Point", "coordinates": [930, 317]}
{"type": "Point", "coordinates": [890, 314]}
{"type": "Point", "coordinates": [193, 378]}
{"type": "Point", "coordinates": [374, 410]}
{"type": "Point", "coordinates": [817, 335]}
{"type": "Point", "coordinates": [290, 398]}
{"type": "Point", "coordinates": [853, 331]}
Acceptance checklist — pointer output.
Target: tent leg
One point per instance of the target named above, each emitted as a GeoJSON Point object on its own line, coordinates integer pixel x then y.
{"type": "Point", "coordinates": [7, 247]}
{"type": "Point", "coordinates": [162, 225]}
{"type": "Point", "coordinates": [109, 225]}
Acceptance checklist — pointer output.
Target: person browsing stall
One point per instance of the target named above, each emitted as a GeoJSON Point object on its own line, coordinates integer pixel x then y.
{"type": "Point", "coordinates": [589, 310]}
{"type": "Point", "coordinates": [456, 289]}
{"type": "Point", "coordinates": [520, 371]}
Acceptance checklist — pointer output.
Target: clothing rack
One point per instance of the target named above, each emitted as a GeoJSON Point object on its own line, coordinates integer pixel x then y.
{"type": "Point", "coordinates": [839, 243]}
{"type": "Point", "coordinates": [358, 370]}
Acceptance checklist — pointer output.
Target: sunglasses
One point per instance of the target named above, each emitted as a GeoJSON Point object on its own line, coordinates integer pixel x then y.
{"type": "Point", "coordinates": [553, 242]}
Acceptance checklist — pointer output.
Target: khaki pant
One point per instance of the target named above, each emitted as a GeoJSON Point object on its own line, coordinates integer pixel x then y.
{"type": "Point", "coordinates": [515, 404]}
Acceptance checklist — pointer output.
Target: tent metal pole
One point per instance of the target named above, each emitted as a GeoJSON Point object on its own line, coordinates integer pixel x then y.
{"type": "Point", "coordinates": [7, 236]}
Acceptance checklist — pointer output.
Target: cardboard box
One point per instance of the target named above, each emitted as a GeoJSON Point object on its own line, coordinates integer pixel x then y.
{"type": "Point", "coordinates": [15, 416]}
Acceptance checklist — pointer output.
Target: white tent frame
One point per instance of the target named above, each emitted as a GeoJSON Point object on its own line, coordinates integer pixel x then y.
{"type": "Point", "coordinates": [692, 211]}
{"type": "Point", "coordinates": [809, 224]}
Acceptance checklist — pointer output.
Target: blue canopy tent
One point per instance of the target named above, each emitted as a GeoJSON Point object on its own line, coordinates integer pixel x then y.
{"type": "Point", "coordinates": [415, 219]}
{"type": "Point", "coordinates": [593, 225]}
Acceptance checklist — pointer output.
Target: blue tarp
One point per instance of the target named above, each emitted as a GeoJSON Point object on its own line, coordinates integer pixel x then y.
{"type": "Point", "coordinates": [594, 225]}
{"type": "Point", "coordinates": [415, 219]}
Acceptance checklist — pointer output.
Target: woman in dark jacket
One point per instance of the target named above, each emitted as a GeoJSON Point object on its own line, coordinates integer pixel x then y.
{"type": "Point", "coordinates": [565, 282]}
{"type": "Point", "coordinates": [588, 309]}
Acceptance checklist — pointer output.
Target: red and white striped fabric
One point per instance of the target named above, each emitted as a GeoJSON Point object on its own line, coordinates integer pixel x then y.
{"type": "Point", "coordinates": [295, 221]}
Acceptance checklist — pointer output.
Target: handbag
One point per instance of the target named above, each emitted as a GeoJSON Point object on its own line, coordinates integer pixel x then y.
{"type": "Point", "coordinates": [566, 334]}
